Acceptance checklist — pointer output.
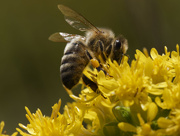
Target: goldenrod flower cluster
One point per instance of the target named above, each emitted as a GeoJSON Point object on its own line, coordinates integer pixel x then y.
{"type": "Point", "coordinates": [137, 99]}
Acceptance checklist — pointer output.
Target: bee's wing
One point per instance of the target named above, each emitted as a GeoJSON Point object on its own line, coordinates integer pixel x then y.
{"type": "Point", "coordinates": [76, 20]}
{"type": "Point", "coordinates": [64, 37]}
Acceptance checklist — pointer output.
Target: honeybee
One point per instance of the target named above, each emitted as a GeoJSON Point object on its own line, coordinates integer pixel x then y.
{"type": "Point", "coordinates": [98, 43]}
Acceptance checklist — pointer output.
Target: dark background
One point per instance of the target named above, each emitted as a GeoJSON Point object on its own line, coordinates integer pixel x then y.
{"type": "Point", "coordinates": [29, 63]}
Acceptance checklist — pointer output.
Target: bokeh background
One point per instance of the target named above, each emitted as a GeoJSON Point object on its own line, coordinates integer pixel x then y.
{"type": "Point", "coordinates": [29, 63]}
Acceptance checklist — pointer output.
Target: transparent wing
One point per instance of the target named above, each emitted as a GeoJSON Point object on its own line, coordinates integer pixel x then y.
{"type": "Point", "coordinates": [76, 20]}
{"type": "Point", "coordinates": [64, 37]}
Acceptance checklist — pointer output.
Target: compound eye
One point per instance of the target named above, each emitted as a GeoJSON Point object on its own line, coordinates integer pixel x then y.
{"type": "Point", "coordinates": [117, 44]}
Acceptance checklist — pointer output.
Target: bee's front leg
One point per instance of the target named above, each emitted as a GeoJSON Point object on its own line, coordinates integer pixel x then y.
{"type": "Point", "coordinates": [102, 56]}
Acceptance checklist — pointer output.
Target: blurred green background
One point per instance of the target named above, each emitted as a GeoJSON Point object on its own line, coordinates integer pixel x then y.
{"type": "Point", "coordinates": [29, 63]}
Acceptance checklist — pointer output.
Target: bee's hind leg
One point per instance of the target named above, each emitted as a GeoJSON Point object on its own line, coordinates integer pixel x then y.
{"type": "Point", "coordinates": [94, 62]}
{"type": "Point", "coordinates": [88, 82]}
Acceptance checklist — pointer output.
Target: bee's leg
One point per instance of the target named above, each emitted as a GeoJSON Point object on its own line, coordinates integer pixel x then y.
{"type": "Point", "coordinates": [89, 83]}
{"type": "Point", "coordinates": [108, 50]}
{"type": "Point", "coordinates": [92, 85]}
{"type": "Point", "coordinates": [100, 46]}
{"type": "Point", "coordinates": [89, 55]}
{"type": "Point", "coordinates": [94, 62]}
{"type": "Point", "coordinates": [101, 59]}
{"type": "Point", "coordinates": [105, 53]}
{"type": "Point", "coordinates": [117, 53]}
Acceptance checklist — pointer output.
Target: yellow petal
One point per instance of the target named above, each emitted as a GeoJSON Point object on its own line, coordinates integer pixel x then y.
{"type": "Point", "coordinates": [127, 127]}
{"type": "Point", "coordinates": [152, 111]}
{"type": "Point", "coordinates": [164, 123]}
{"type": "Point", "coordinates": [1, 126]}
{"type": "Point", "coordinates": [154, 53]}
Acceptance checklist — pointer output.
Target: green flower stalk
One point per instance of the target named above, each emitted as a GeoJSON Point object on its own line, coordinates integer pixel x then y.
{"type": "Point", "coordinates": [137, 99]}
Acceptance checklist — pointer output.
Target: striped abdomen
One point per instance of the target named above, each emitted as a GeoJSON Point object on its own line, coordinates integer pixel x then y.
{"type": "Point", "coordinates": [73, 63]}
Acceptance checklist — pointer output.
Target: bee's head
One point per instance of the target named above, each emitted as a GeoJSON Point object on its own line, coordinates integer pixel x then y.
{"type": "Point", "coordinates": [120, 44]}
{"type": "Point", "coordinates": [117, 49]}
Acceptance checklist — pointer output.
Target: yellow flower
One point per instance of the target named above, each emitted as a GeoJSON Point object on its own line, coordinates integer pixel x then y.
{"type": "Point", "coordinates": [143, 128]}
{"type": "Point", "coordinates": [137, 99]}
{"type": "Point", "coordinates": [41, 125]}
{"type": "Point", "coordinates": [67, 124]}
{"type": "Point", "coordinates": [148, 83]}
{"type": "Point", "coordinates": [3, 133]}
{"type": "Point", "coordinates": [171, 125]}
